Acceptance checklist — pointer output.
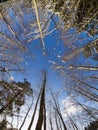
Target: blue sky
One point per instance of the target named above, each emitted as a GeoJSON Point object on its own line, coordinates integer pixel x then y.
{"type": "Point", "coordinates": [34, 62]}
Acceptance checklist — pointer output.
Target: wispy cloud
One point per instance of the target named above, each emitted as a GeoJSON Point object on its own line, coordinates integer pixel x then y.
{"type": "Point", "coordinates": [71, 107]}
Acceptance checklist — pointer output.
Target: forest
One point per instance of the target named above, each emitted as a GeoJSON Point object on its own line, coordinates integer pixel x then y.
{"type": "Point", "coordinates": [48, 64]}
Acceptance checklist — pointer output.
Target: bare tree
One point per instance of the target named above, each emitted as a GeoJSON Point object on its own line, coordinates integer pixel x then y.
{"type": "Point", "coordinates": [57, 108]}
{"type": "Point", "coordinates": [35, 109]}
{"type": "Point", "coordinates": [42, 108]}
{"type": "Point", "coordinates": [26, 116]}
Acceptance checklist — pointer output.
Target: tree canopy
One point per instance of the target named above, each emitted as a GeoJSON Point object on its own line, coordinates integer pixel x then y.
{"type": "Point", "coordinates": [65, 34]}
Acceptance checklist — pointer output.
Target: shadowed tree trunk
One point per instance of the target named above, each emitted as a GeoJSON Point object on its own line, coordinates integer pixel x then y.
{"type": "Point", "coordinates": [1, 1]}
{"type": "Point", "coordinates": [92, 126]}
{"type": "Point", "coordinates": [34, 110]}
{"type": "Point", "coordinates": [41, 109]}
{"type": "Point", "coordinates": [44, 117]}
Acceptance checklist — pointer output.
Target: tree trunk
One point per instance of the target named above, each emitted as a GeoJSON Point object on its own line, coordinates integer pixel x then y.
{"type": "Point", "coordinates": [34, 111]}
{"type": "Point", "coordinates": [26, 116]}
{"type": "Point", "coordinates": [41, 109]}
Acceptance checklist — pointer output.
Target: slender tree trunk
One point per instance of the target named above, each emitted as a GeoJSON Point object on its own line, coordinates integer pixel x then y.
{"type": "Point", "coordinates": [26, 116]}
{"type": "Point", "coordinates": [63, 123]}
{"type": "Point", "coordinates": [84, 108]}
{"type": "Point", "coordinates": [57, 108]}
{"type": "Point", "coordinates": [60, 125]}
{"type": "Point", "coordinates": [44, 117]}
{"type": "Point", "coordinates": [51, 126]}
{"type": "Point", "coordinates": [72, 122]}
{"type": "Point", "coordinates": [56, 120]}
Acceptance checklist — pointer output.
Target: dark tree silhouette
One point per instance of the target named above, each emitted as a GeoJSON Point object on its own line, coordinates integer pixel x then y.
{"type": "Point", "coordinates": [92, 126]}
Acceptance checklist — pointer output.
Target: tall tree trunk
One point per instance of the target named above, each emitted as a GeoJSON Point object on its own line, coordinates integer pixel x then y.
{"type": "Point", "coordinates": [41, 109]}
{"type": "Point", "coordinates": [56, 120]}
{"type": "Point", "coordinates": [63, 123]}
{"type": "Point", "coordinates": [30, 125]}
{"type": "Point", "coordinates": [44, 117]}
{"type": "Point", "coordinates": [57, 108]}
{"type": "Point", "coordinates": [51, 126]}
{"type": "Point", "coordinates": [60, 124]}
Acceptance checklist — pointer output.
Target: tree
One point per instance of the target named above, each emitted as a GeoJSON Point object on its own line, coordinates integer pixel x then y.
{"type": "Point", "coordinates": [42, 108]}
{"type": "Point", "coordinates": [78, 14]}
{"type": "Point", "coordinates": [1, 1]}
{"type": "Point", "coordinates": [76, 65]}
{"type": "Point", "coordinates": [3, 125]}
{"type": "Point", "coordinates": [9, 92]}
{"type": "Point", "coordinates": [92, 126]}
{"type": "Point", "coordinates": [13, 96]}
{"type": "Point", "coordinates": [57, 109]}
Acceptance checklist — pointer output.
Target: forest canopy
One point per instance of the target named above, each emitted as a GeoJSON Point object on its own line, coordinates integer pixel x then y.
{"type": "Point", "coordinates": [59, 40]}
